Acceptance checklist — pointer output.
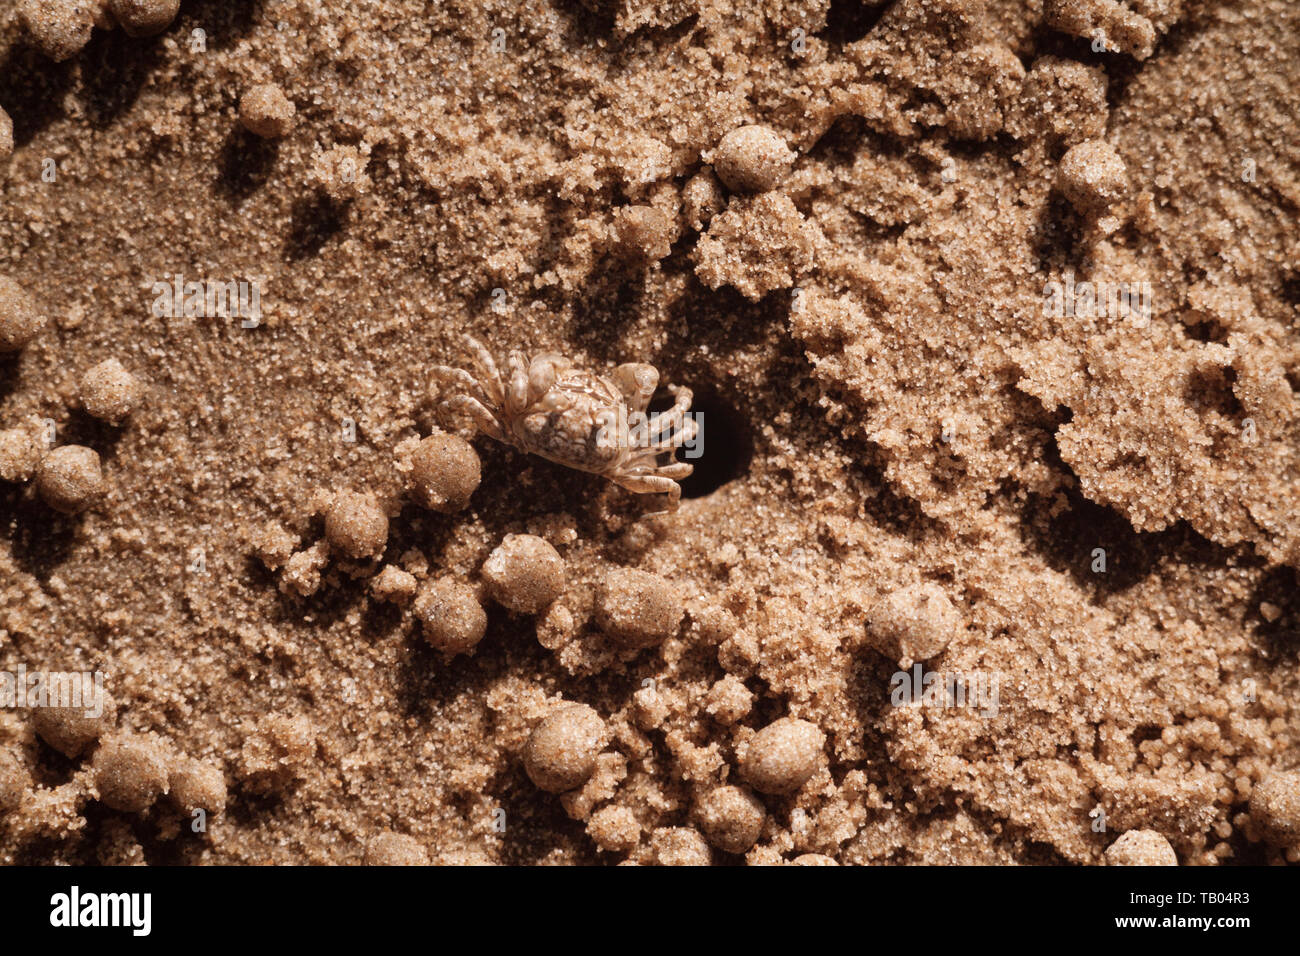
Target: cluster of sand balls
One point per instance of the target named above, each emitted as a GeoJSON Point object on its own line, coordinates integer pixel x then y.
{"type": "Point", "coordinates": [129, 771]}
{"type": "Point", "coordinates": [523, 574]}
{"type": "Point", "coordinates": [61, 28]}
{"type": "Point", "coordinates": [635, 609]}
{"type": "Point", "coordinates": [356, 529]}
{"type": "Point", "coordinates": [441, 472]}
{"type": "Point", "coordinates": [69, 478]}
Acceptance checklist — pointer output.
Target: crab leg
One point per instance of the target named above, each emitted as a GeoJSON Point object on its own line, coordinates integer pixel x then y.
{"type": "Point", "coordinates": [488, 367]}
{"type": "Point", "coordinates": [652, 484]}
{"type": "Point", "coordinates": [671, 419]}
{"type": "Point", "coordinates": [516, 384]}
{"type": "Point", "coordinates": [465, 380]}
{"type": "Point", "coordinates": [483, 419]}
{"type": "Point", "coordinates": [671, 443]}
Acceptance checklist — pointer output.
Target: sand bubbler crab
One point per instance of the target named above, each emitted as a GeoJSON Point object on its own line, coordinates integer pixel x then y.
{"type": "Point", "coordinates": [549, 407]}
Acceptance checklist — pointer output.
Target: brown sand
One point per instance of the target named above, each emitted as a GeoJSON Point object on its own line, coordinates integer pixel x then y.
{"type": "Point", "coordinates": [898, 429]}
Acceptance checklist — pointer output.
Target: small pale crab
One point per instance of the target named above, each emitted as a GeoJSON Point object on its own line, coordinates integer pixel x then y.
{"type": "Point", "coordinates": [547, 406]}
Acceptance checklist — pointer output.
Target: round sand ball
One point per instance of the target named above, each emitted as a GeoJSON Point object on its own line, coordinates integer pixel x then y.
{"type": "Point", "coordinates": [731, 818]}
{"type": "Point", "coordinates": [752, 159]}
{"type": "Point", "coordinates": [561, 752]}
{"type": "Point", "coordinates": [782, 756]}
{"type": "Point", "coordinates": [1092, 176]}
{"type": "Point", "coordinates": [109, 392]}
{"type": "Point", "coordinates": [524, 574]}
{"type": "Point", "coordinates": [453, 620]}
{"type": "Point", "coordinates": [70, 479]}
{"type": "Point", "coordinates": [614, 829]}
{"type": "Point", "coordinates": [14, 782]}
{"type": "Point", "coordinates": [679, 846]}
{"type": "Point", "coordinates": [130, 772]}
{"type": "Point", "coordinates": [20, 319]}
{"type": "Point", "coordinates": [356, 526]}
{"type": "Point", "coordinates": [637, 608]}
{"type": "Point", "coordinates": [70, 730]}
{"type": "Point", "coordinates": [144, 18]}
{"type": "Point", "coordinates": [6, 135]}
{"type": "Point", "coordinates": [395, 849]}
{"type": "Point", "coordinates": [265, 111]}
{"type": "Point", "coordinates": [1141, 848]}
{"type": "Point", "coordinates": [642, 234]}
{"type": "Point", "coordinates": [813, 859]}
{"type": "Point", "coordinates": [1275, 806]}
{"type": "Point", "coordinates": [20, 454]}
{"type": "Point", "coordinates": [445, 471]}
{"type": "Point", "coordinates": [58, 28]}
{"type": "Point", "coordinates": [195, 785]}
{"type": "Point", "coordinates": [914, 623]}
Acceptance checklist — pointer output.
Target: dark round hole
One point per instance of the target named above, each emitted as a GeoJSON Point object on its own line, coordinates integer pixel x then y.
{"type": "Point", "coordinates": [724, 448]}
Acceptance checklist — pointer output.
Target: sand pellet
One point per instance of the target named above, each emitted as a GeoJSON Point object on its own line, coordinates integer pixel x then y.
{"type": "Point", "coordinates": [130, 772]}
{"type": "Point", "coordinates": [395, 849]}
{"type": "Point", "coordinates": [561, 753]}
{"type": "Point", "coordinates": [783, 755]}
{"type": "Point", "coordinates": [266, 111]}
{"type": "Point", "coordinates": [1141, 848]}
{"type": "Point", "coordinates": [109, 391]}
{"type": "Point", "coordinates": [637, 608]}
{"type": "Point", "coordinates": [71, 730]}
{"type": "Point", "coordinates": [752, 159]}
{"type": "Point", "coordinates": [143, 18]}
{"type": "Point", "coordinates": [356, 525]}
{"type": "Point", "coordinates": [21, 318]}
{"type": "Point", "coordinates": [524, 573]}
{"type": "Point", "coordinates": [444, 471]}
{"type": "Point", "coordinates": [731, 818]}
{"type": "Point", "coordinates": [452, 619]}
{"type": "Point", "coordinates": [913, 623]}
{"type": "Point", "coordinates": [70, 479]}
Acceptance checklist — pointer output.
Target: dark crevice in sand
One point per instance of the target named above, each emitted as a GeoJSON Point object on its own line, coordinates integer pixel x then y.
{"type": "Point", "coordinates": [245, 164]}
{"type": "Point", "coordinates": [32, 90]}
{"type": "Point", "coordinates": [225, 22]}
{"type": "Point", "coordinates": [848, 21]}
{"type": "Point", "coordinates": [39, 540]}
{"type": "Point", "coordinates": [316, 220]}
{"type": "Point", "coordinates": [116, 68]}
{"type": "Point", "coordinates": [1067, 541]}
